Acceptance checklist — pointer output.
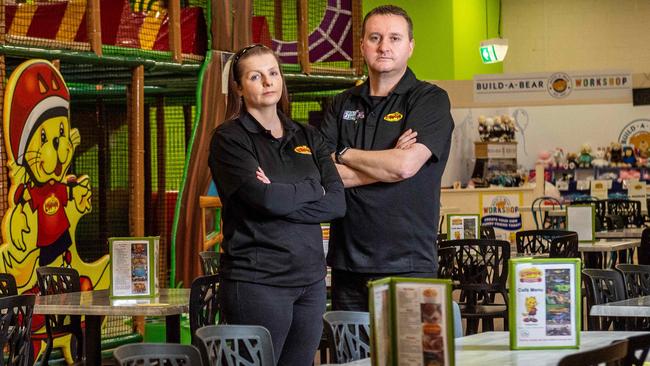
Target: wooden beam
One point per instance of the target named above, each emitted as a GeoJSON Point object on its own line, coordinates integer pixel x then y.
{"type": "Point", "coordinates": [94, 24]}
{"type": "Point", "coordinates": [357, 58]}
{"type": "Point", "coordinates": [277, 19]}
{"type": "Point", "coordinates": [136, 152]}
{"type": "Point", "coordinates": [243, 23]}
{"type": "Point", "coordinates": [174, 11]}
{"type": "Point", "coordinates": [221, 26]}
{"type": "Point", "coordinates": [303, 36]}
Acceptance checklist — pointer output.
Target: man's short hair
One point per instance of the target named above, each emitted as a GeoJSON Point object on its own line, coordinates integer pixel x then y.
{"type": "Point", "coordinates": [388, 10]}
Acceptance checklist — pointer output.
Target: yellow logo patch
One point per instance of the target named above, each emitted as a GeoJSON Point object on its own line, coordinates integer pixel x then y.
{"type": "Point", "coordinates": [303, 149]}
{"type": "Point", "coordinates": [393, 117]}
{"type": "Point", "coordinates": [51, 205]}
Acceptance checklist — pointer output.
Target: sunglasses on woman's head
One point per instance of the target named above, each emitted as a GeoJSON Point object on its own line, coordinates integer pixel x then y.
{"type": "Point", "coordinates": [242, 52]}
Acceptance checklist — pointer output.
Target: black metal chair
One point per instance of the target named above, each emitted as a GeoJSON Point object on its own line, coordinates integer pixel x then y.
{"type": "Point", "coordinates": [643, 253]}
{"type": "Point", "coordinates": [15, 330]}
{"type": "Point", "coordinates": [480, 272]}
{"type": "Point", "coordinates": [629, 211]}
{"type": "Point", "coordinates": [612, 354]}
{"type": "Point", "coordinates": [59, 280]}
{"type": "Point", "coordinates": [7, 285]}
{"type": "Point", "coordinates": [636, 278]}
{"type": "Point", "coordinates": [445, 261]}
{"type": "Point", "coordinates": [533, 242]}
{"type": "Point", "coordinates": [565, 246]}
{"type": "Point", "coordinates": [348, 333]}
{"type": "Point", "coordinates": [603, 286]}
{"type": "Point", "coordinates": [487, 232]}
{"type": "Point", "coordinates": [637, 349]}
{"type": "Point", "coordinates": [210, 262]}
{"type": "Point", "coordinates": [541, 216]}
{"type": "Point", "coordinates": [159, 354]}
{"type": "Point", "coordinates": [235, 345]}
{"type": "Point", "coordinates": [204, 302]}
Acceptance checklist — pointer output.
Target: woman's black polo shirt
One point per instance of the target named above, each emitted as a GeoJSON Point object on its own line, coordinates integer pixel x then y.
{"type": "Point", "coordinates": [272, 232]}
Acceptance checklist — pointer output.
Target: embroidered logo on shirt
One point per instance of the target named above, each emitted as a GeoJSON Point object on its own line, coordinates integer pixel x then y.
{"type": "Point", "coordinates": [393, 117]}
{"type": "Point", "coordinates": [303, 149]}
{"type": "Point", "coordinates": [352, 115]}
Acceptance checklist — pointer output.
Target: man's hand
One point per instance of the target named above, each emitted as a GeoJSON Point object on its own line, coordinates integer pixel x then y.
{"type": "Point", "coordinates": [406, 139]}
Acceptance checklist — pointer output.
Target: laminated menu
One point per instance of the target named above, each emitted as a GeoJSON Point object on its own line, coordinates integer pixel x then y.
{"type": "Point", "coordinates": [134, 266]}
{"type": "Point", "coordinates": [463, 226]}
{"type": "Point", "coordinates": [544, 305]}
{"type": "Point", "coordinates": [411, 322]}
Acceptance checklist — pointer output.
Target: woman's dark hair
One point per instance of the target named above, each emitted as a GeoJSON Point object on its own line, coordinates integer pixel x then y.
{"type": "Point", "coordinates": [236, 106]}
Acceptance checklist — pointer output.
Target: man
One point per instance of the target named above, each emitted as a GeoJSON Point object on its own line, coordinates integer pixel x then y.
{"type": "Point", "coordinates": [390, 137]}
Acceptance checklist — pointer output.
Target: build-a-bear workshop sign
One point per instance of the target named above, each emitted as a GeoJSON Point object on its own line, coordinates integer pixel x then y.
{"type": "Point", "coordinates": [45, 201]}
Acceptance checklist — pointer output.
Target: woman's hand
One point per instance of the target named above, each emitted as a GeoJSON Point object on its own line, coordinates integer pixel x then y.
{"type": "Point", "coordinates": [259, 173]}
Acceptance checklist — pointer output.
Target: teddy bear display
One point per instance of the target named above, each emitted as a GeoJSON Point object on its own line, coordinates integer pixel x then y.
{"type": "Point", "coordinates": [629, 156]}
{"type": "Point", "coordinates": [496, 128]}
{"type": "Point", "coordinates": [559, 159]}
{"type": "Point", "coordinates": [599, 160]}
{"type": "Point", "coordinates": [545, 158]}
{"type": "Point", "coordinates": [585, 158]}
{"type": "Point", "coordinates": [615, 155]}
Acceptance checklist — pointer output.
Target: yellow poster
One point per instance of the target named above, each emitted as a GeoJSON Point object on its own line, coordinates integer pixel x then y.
{"type": "Point", "coordinates": [46, 202]}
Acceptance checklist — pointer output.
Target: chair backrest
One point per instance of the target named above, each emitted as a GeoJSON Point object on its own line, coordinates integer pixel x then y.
{"type": "Point", "coordinates": [643, 254]}
{"type": "Point", "coordinates": [480, 265]}
{"type": "Point", "coordinates": [537, 241]}
{"type": "Point", "coordinates": [348, 334]}
{"type": "Point", "coordinates": [612, 354]}
{"type": "Point", "coordinates": [636, 278]}
{"type": "Point", "coordinates": [204, 302]}
{"type": "Point", "coordinates": [627, 210]}
{"type": "Point", "coordinates": [565, 246]}
{"type": "Point", "coordinates": [445, 261]}
{"type": "Point", "coordinates": [235, 345]}
{"type": "Point", "coordinates": [60, 280]}
{"type": "Point", "coordinates": [209, 262]}
{"type": "Point", "coordinates": [637, 349]}
{"type": "Point", "coordinates": [15, 329]}
{"type": "Point", "coordinates": [603, 286]}
{"type": "Point", "coordinates": [487, 232]}
{"type": "Point", "coordinates": [541, 217]}
{"type": "Point", "coordinates": [159, 354]}
{"type": "Point", "coordinates": [7, 285]}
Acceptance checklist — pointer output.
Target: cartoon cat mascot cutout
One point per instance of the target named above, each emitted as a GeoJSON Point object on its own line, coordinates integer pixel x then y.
{"type": "Point", "coordinates": [45, 203]}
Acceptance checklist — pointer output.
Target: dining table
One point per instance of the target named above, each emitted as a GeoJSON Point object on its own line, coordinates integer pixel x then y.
{"type": "Point", "coordinates": [626, 233]}
{"type": "Point", "coordinates": [635, 307]}
{"type": "Point", "coordinates": [96, 304]}
{"type": "Point", "coordinates": [493, 348]}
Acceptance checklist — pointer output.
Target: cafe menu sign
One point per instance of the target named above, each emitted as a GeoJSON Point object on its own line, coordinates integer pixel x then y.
{"type": "Point", "coordinates": [411, 322]}
{"type": "Point", "coordinates": [544, 303]}
{"type": "Point", "coordinates": [603, 85]}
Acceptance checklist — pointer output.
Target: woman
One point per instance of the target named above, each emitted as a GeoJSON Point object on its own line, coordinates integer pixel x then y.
{"type": "Point", "coordinates": [277, 184]}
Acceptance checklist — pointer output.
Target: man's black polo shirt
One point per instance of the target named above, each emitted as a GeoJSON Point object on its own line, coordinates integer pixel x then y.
{"type": "Point", "coordinates": [272, 232]}
{"type": "Point", "coordinates": [390, 227]}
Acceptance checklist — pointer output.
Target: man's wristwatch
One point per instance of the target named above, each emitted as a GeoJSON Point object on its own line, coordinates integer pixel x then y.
{"type": "Point", "coordinates": [340, 153]}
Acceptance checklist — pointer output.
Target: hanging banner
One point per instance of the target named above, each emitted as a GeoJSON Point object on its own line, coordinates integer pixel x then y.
{"type": "Point", "coordinates": [501, 211]}
{"type": "Point", "coordinates": [601, 85]}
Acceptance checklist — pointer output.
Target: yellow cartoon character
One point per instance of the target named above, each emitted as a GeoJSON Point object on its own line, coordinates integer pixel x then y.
{"type": "Point", "coordinates": [531, 309]}
{"type": "Point", "coordinates": [45, 202]}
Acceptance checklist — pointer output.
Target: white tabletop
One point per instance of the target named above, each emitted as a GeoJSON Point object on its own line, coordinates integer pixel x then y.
{"type": "Point", "coordinates": [609, 245]}
{"type": "Point", "coordinates": [493, 348]}
{"type": "Point", "coordinates": [627, 233]}
{"type": "Point", "coordinates": [637, 307]}
{"type": "Point", "coordinates": [169, 302]}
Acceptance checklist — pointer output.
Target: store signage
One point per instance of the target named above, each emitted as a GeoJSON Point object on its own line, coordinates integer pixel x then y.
{"type": "Point", "coordinates": [637, 133]}
{"type": "Point", "coordinates": [501, 211]}
{"type": "Point", "coordinates": [553, 86]}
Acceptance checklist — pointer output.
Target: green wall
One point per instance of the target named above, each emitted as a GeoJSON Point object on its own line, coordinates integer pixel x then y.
{"type": "Point", "coordinates": [447, 35]}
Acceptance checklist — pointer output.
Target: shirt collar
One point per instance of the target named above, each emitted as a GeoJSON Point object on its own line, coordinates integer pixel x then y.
{"type": "Point", "coordinates": [252, 125]}
{"type": "Point", "coordinates": [404, 84]}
